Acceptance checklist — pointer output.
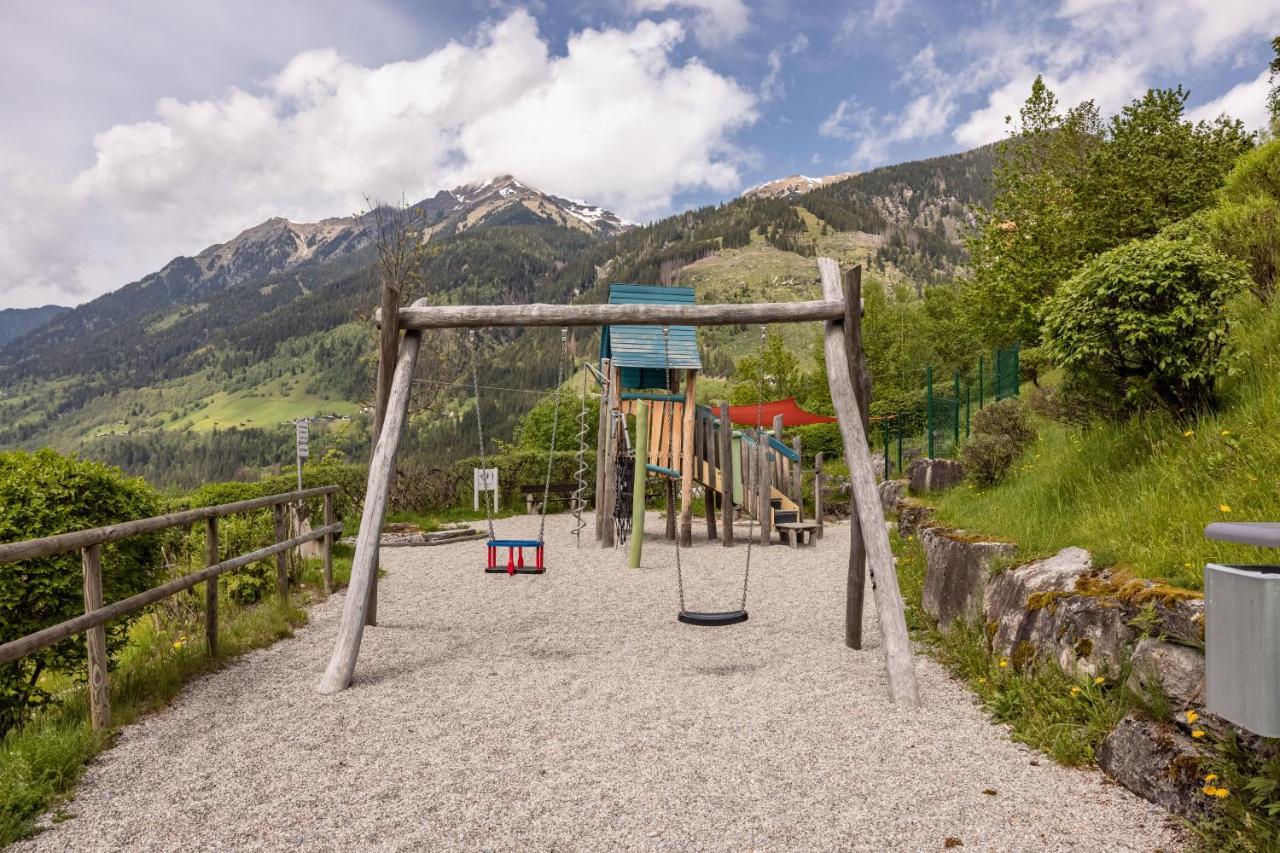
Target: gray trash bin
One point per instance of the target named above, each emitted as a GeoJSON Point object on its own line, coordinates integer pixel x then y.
{"type": "Point", "coordinates": [1242, 633]}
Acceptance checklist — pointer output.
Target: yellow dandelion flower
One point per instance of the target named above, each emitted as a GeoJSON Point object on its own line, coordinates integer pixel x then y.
{"type": "Point", "coordinates": [1224, 508]}
{"type": "Point", "coordinates": [1226, 432]}
{"type": "Point", "coordinates": [1099, 680]}
{"type": "Point", "coordinates": [1222, 793]}
{"type": "Point", "coordinates": [1212, 777]}
{"type": "Point", "coordinates": [982, 680]}
{"type": "Point", "coordinates": [1192, 716]}
{"type": "Point", "coordinates": [1189, 433]}
{"type": "Point", "coordinates": [1003, 663]}
{"type": "Point", "coordinates": [1198, 733]}
{"type": "Point", "coordinates": [1209, 791]}
{"type": "Point", "coordinates": [1075, 691]}
{"type": "Point", "coordinates": [177, 644]}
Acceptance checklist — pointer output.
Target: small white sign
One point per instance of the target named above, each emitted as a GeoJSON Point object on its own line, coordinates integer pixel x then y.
{"type": "Point", "coordinates": [484, 480]}
{"type": "Point", "coordinates": [303, 438]}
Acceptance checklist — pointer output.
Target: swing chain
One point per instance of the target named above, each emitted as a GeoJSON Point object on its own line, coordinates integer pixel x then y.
{"type": "Point", "coordinates": [484, 462]}
{"type": "Point", "coordinates": [755, 460]}
{"type": "Point", "coordinates": [555, 427]}
{"type": "Point", "coordinates": [671, 450]}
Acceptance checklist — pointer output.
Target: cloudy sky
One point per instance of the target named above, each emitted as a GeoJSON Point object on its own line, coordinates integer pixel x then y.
{"type": "Point", "coordinates": [134, 131]}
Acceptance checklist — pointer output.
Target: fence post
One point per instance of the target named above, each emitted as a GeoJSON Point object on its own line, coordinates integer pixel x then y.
{"type": "Point", "coordinates": [819, 483]}
{"type": "Point", "coordinates": [328, 544]}
{"type": "Point", "coordinates": [1017, 369]}
{"type": "Point", "coordinates": [797, 476]}
{"type": "Point", "coordinates": [968, 397]}
{"type": "Point", "coordinates": [897, 418]}
{"type": "Point", "coordinates": [282, 565]}
{"type": "Point", "coordinates": [929, 410]}
{"type": "Point", "coordinates": [982, 370]}
{"type": "Point", "coordinates": [884, 436]}
{"type": "Point", "coordinates": [96, 640]}
{"type": "Point", "coordinates": [955, 440]}
{"type": "Point", "coordinates": [211, 587]}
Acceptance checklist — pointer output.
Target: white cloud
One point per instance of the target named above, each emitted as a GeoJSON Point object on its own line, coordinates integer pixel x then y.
{"type": "Point", "coordinates": [716, 22]}
{"type": "Point", "coordinates": [875, 133]}
{"type": "Point", "coordinates": [614, 120]}
{"type": "Point", "coordinates": [772, 87]}
{"type": "Point", "coordinates": [1246, 101]}
{"type": "Point", "coordinates": [885, 12]}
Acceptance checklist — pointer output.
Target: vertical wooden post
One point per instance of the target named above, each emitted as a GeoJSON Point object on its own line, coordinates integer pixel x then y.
{"type": "Point", "coordinates": [388, 351]}
{"type": "Point", "coordinates": [610, 457]}
{"type": "Point", "coordinates": [637, 490]}
{"type": "Point", "coordinates": [819, 483]}
{"type": "Point", "coordinates": [856, 581]}
{"type": "Point", "coordinates": [211, 587]}
{"type": "Point", "coordinates": [725, 436]}
{"type": "Point", "coordinates": [686, 459]}
{"type": "Point", "coordinates": [764, 485]}
{"type": "Point", "coordinates": [708, 448]}
{"type": "Point", "coordinates": [797, 477]}
{"type": "Point", "coordinates": [899, 664]}
{"type": "Point", "coordinates": [96, 640]}
{"type": "Point", "coordinates": [328, 544]}
{"type": "Point", "coordinates": [282, 563]}
{"type": "Point", "coordinates": [602, 448]}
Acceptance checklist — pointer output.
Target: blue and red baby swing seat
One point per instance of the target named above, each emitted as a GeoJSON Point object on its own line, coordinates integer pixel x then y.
{"type": "Point", "coordinates": [515, 557]}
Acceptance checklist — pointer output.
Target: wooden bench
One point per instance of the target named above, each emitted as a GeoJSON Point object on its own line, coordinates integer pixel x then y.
{"type": "Point", "coordinates": [561, 493]}
{"type": "Point", "coordinates": [797, 533]}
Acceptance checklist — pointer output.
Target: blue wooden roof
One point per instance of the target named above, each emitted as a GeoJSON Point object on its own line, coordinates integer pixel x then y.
{"type": "Point", "coordinates": [639, 350]}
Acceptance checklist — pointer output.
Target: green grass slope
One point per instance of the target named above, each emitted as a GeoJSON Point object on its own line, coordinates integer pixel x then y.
{"type": "Point", "coordinates": [1139, 493]}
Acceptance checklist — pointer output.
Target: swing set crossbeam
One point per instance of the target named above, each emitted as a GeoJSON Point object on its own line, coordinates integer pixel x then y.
{"type": "Point", "coordinates": [419, 317]}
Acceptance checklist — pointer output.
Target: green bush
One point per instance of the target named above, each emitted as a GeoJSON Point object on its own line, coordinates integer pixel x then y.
{"type": "Point", "coordinates": [1146, 323]}
{"type": "Point", "coordinates": [824, 439]}
{"type": "Point", "coordinates": [534, 432]}
{"type": "Point", "coordinates": [1001, 434]}
{"type": "Point", "coordinates": [42, 494]}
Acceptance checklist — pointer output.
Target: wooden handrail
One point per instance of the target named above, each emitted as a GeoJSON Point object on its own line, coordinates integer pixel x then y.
{"type": "Point", "coordinates": [46, 637]}
{"type": "Point", "coordinates": [63, 542]}
{"type": "Point", "coordinates": [96, 615]}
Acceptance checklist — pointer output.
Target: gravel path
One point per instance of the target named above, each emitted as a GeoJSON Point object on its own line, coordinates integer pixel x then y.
{"type": "Point", "coordinates": [571, 712]}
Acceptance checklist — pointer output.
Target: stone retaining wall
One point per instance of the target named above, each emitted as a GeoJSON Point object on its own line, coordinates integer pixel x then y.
{"type": "Point", "coordinates": [1090, 621]}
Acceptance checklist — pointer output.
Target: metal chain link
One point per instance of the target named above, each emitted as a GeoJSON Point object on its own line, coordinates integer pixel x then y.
{"type": "Point", "coordinates": [579, 497]}
{"type": "Point", "coordinates": [555, 427]}
{"type": "Point", "coordinates": [756, 458]}
{"type": "Point", "coordinates": [484, 462]}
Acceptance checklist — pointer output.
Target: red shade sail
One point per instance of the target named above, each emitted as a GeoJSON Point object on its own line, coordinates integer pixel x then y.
{"type": "Point", "coordinates": [792, 414]}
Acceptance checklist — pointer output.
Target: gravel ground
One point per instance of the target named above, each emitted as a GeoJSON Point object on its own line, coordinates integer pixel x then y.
{"type": "Point", "coordinates": [572, 712]}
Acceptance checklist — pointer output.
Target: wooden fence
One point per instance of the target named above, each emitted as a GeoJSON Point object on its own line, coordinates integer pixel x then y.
{"type": "Point", "coordinates": [96, 615]}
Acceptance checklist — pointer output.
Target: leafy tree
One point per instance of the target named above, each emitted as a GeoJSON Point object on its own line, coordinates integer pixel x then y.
{"type": "Point", "coordinates": [1030, 240]}
{"type": "Point", "coordinates": [1146, 323]}
{"type": "Point", "coordinates": [773, 374]}
{"type": "Point", "coordinates": [41, 494]}
{"type": "Point", "coordinates": [1246, 223]}
{"type": "Point", "coordinates": [535, 430]}
{"type": "Point", "coordinates": [1273, 95]}
{"type": "Point", "coordinates": [1156, 168]}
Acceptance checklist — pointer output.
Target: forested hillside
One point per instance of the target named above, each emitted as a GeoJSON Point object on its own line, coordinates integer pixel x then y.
{"type": "Point", "coordinates": [193, 372]}
{"type": "Point", "coordinates": [16, 322]}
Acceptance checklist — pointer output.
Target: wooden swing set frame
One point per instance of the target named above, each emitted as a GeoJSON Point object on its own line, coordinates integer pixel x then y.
{"type": "Point", "coordinates": [869, 536]}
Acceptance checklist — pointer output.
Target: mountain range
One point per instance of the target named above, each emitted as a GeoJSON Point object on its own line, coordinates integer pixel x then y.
{"type": "Point", "coordinates": [274, 323]}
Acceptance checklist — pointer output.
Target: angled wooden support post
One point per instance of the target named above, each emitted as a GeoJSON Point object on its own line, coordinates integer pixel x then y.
{"type": "Point", "coordinates": [211, 587]}
{"type": "Point", "coordinates": [899, 664]}
{"type": "Point", "coordinates": [725, 434]}
{"type": "Point", "coordinates": [342, 664]}
{"type": "Point", "coordinates": [96, 640]}
{"type": "Point", "coordinates": [856, 581]}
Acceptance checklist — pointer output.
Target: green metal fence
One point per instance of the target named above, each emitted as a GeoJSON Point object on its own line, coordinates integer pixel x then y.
{"type": "Point", "coordinates": [950, 403]}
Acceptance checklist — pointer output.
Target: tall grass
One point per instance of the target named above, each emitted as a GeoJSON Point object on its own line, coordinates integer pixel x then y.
{"type": "Point", "coordinates": [41, 761]}
{"type": "Point", "coordinates": [1140, 492]}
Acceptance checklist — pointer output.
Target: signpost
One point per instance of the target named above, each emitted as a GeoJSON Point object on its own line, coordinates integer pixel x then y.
{"type": "Point", "coordinates": [484, 480]}
{"type": "Point", "coordinates": [303, 437]}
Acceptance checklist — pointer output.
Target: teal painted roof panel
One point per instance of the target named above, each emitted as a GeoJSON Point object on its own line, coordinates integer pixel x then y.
{"type": "Point", "coordinates": [642, 346]}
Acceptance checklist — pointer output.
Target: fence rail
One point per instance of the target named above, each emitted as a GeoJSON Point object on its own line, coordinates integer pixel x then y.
{"type": "Point", "coordinates": [96, 615]}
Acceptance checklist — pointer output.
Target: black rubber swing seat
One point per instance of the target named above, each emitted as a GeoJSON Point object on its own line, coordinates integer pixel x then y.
{"type": "Point", "coordinates": [726, 617]}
